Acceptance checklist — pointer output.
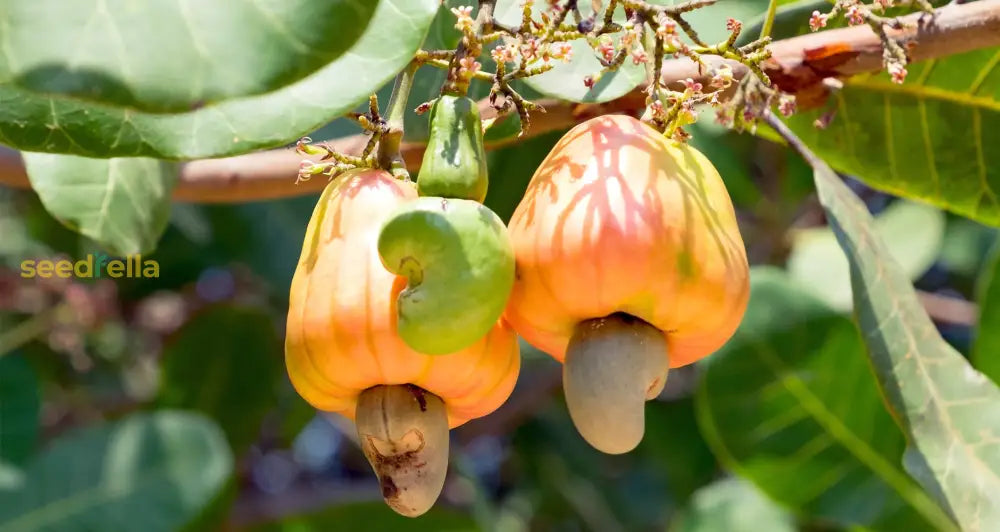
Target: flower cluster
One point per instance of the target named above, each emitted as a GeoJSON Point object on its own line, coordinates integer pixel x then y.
{"type": "Point", "coordinates": [894, 56]}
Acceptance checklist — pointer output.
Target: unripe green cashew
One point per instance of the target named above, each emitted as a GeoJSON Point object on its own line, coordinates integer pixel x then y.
{"type": "Point", "coordinates": [403, 431]}
{"type": "Point", "coordinates": [454, 164]}
{"type": "Point", "coordinates": [459, 264]}
{"type": "Point", "coordinates": [613, 366]}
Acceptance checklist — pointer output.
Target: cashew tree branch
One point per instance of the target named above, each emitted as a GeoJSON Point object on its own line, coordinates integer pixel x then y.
{"type": "Point", "coordinates": [798, 65]}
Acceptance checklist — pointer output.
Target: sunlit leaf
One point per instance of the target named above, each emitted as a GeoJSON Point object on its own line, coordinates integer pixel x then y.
{"type": "Point", "coordinates": [933, 138]}
{"type": "Point", "coordinates": [269, 102]}
{"type": "Point", "coordinates": [122, 203]}
{"type": "Point", "coordinates": [791, 397]}
{"type": "Point", "coordinates": [949, 412]}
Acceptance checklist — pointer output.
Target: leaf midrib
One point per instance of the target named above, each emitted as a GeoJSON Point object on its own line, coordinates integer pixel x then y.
{"type": "Point", "coordinates": [924, 92]}
{"type": "Point", "coordinates": [62, 508]}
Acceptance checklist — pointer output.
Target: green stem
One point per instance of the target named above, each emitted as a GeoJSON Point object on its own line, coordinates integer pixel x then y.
{"type": "Point", "coordinates": [26, 331]}
{"type": "Point", "coordinates": [772, 9]}
{"type": "Point", "coordinates": [389, 156]}
{"type": "Point", "coordinates": [400, 96]}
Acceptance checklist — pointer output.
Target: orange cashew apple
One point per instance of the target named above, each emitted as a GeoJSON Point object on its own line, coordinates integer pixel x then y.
{"type": "Point", "coordinates": [344, 355]}
{"type": "Point", "coordinates": [629, 262]}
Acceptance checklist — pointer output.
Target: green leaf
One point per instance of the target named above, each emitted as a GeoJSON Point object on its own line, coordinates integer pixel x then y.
{"type": "Point", "coordinates": [173, 55]}
{"type": "Point", "coordinates": [913, 233]}
{"type": "Point", "coordinates": [11, 478]}
{"type": "Point", "coordinates": [791, 397]}
{"type": "Point", "coordinates": [123, 204]}
{"type": "Point", "coordinates": [20, 403]}
{"type": "Point", "coordinates": [64, 124]}
{"type": "Point", "coordinates": [932, 138]}
{"type": "Point", "coordinates": [565, 81]}
{"type": "Point", "coordinates": [949, 412]}
{"type": "Point", "coordinates": [986, 349]}
{"type": "Point", "coordinates": [225, 362]}
{"type": "Point", "coordinates": [372, 517]}
{"type": "Point", "coordinates": [733, 505]}
{"type": "Point", "coordinates": [150, 472]}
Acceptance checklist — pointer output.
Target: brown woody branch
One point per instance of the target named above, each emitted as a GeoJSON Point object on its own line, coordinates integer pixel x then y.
{"type": "Point", "coordinates": [798, 65]}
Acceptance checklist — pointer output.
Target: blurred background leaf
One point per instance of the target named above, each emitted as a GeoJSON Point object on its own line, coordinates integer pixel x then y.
{"type": "Point", "coordinates": [214, 360]}
{"type": "Point", "coordinates": [373, 517]}
{"type": "Point", "coordinates": [733, 505]}
{"type": "Point", "coordinates": [148, 471]}
{"type": "Point", "coordinates": [20, 402]}
{"type": "Point", "coordinates": [986, 351]}
{"type": "Point", "coordinates": [912, 231]}
{"type": "Point", "coordinates": [791, 397]}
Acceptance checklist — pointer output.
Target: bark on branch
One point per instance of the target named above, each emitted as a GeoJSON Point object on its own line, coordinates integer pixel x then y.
{"type": "Point", "coordinates": [798, 65]}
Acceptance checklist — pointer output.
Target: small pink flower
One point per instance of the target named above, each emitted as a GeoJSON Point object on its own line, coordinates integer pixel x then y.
{"type": "Point", "coordinates": [607, 49]}
{"type": "Point", "coordinates": [692, 85]}
{"type": "Point", "coordinates": [469, 66]}
{"type": "Point", "coordinates": [463, 15]}
{"type": "Point", "coordinates": [786, 105]}
{"type": "Point", "coordinates": [883, 4]}
{"type": "Point", "coordinates": [855, 15]}
{"type": "Point", "coordinates": [589, 82]}
{"type": "Point", "coordinates": [722, 77]}
{"type": "Point", "coordinates": [733, 25]}
{"type": "Point", "coordinates": [639, 56]}
{"type": "Point", "coordinates": [530, 49]}
{"type": "Point", "coordinates": [666, 27]}
{"type": "Point", "coordinates": [561, 50]}
{"type": "Point", "coordinates": [657, 108]}
{"type": "Point", "coordinates": [898, 72]}
{"type": "Point", "coordinates": [817, 21]}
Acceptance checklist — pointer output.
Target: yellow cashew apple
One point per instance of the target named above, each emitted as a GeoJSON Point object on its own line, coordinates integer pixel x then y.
{"type": "Point", "coordinates": [344, 355]}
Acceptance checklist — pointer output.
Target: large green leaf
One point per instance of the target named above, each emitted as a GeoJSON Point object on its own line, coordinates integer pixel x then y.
{"type": "Point", "coordinates": [122, 203]}
{"type": "Point", "coordinates": [986, 350]}
{"type": "Point", "coordinates": [791, 397]}
{"type": "Point", "coordinates": [19, 408]}
{"type": "Point", "coordinates": [172, 55]}
{"type": "Point", "coordinates": [912, 231]}
{"type": "Point", "coordinates": [67, 124]}
{"type": "Point", "coordinates": [372, 517]}
{"type": "Point", "coordinates": [149, 472]}
{"type": "Point", "coordinates": [933, 138]}
{"type": "Point", "coordinates": [225, 362]}
{"type": "Point", "coordinates": [733, 505]}
{"type": "Point", "coordinates": [949, 412]}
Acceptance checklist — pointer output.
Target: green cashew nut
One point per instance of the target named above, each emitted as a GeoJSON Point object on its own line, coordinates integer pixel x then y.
{"type": "Point", "coordinates": [459, 264]}
{"type": "Point", "coordinates": [454, 164]}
